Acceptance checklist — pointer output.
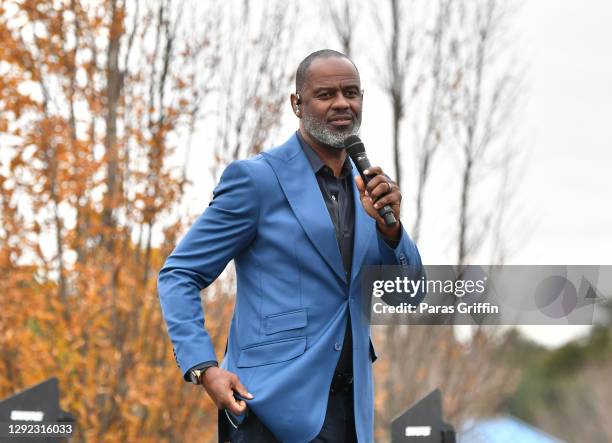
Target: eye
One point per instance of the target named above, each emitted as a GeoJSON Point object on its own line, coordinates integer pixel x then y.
{"type": "Point", "coordinates": [324, 94]}
{"type": "Point", "coordinates": [351, 93]}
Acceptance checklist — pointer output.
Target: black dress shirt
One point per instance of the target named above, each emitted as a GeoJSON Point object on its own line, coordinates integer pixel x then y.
{"type": "Point", "coordinates": [337, 193]}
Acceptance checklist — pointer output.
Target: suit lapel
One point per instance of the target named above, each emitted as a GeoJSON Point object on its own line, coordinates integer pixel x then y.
{"type": "Point", "coordinates": [364, 228]}
{"type": "Point", "coordinates": [300, 186]}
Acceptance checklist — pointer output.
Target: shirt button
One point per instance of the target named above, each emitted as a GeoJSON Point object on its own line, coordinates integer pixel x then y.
{"type": "Point", "coordinates": [337, 346]}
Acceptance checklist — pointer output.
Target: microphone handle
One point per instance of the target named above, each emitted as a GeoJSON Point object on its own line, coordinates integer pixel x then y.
{"type": "Point", "coordinates": [362, 162]}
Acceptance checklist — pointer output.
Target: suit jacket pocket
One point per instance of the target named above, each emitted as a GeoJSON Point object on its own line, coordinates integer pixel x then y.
{"type": "Point", "coordinates": [285, 321]}
{"type": "Point", "coordinates": [271, 352]}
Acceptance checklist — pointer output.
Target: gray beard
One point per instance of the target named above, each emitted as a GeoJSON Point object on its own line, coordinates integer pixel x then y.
{"type": "Point", "coordinates": [327, 136]}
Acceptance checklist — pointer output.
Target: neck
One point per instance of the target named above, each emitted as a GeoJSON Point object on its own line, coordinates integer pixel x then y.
{"type": "Point", "coordinates": [333, 158]}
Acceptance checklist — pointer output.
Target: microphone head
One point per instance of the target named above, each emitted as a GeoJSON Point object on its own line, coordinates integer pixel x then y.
{"type": "Point", "coordinates": [354, 146]}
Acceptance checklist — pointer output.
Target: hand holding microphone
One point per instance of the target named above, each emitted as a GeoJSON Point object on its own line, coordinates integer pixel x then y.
{"type": "Point", "coordinates": [380, 196]}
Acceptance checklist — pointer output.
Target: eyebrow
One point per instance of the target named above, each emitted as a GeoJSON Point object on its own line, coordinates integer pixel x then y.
{"type": "Point", "coordinates": [334, 88]}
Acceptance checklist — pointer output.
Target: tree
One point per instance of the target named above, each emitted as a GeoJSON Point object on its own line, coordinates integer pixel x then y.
{"type": "Point", "coordinates": [565, 391]}
{"type": "Point", "coordinates": [429, 133]}
{"type": "Point", "coordinates": [484, 94]}
{"type": "Point", "coordinates": [95, 100]}
{"type": "Point", "coordinates": [252, 83]}
{"type": "Point", "coordinates": [447, 81]}
{"type": "Point", "coordinates": [399, 51]}
{"type": "Point", "coordinates": [344, 20]}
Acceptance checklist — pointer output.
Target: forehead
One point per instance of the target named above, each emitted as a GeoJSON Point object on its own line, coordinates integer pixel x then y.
{"type": "Point", "coordinates": [331, 71]}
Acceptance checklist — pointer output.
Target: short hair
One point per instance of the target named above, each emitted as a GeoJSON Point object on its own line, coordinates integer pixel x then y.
{"type": "Point", "coordinates": [302, 70]}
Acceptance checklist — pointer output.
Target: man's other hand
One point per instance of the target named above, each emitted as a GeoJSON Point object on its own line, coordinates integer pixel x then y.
{"type": "Point", "coordinates": [220, 385]}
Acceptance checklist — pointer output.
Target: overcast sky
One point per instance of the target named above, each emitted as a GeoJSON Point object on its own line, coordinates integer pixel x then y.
{"type": "Point", "coordinates": [567, 121]}
{"type": "Point", "coordinates": [567, 125]}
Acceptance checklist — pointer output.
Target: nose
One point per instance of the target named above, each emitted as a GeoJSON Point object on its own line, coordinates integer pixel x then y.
{"type": "Point", "coordinates": [340, 102]}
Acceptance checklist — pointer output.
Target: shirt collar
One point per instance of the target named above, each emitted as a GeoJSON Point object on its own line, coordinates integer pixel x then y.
{"type": "Point", "coordinates": [316, 162]}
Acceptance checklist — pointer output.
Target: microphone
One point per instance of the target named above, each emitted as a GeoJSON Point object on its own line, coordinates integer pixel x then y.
{"type": "Point", "coordinates": [356, 150]}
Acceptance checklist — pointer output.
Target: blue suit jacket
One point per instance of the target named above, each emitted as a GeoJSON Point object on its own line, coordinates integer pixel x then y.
{"type": "Point", "coordinates": [292, 298]}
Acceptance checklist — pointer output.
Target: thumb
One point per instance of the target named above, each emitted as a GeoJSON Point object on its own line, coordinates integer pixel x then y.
{"type": "Point", "coordinates": [360, 185]}
{"type": "Point", "coordinates": [242, 391]}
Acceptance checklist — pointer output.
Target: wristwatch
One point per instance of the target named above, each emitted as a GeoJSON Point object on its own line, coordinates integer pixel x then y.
{"type": "Point", "coordinates": [197, 373]}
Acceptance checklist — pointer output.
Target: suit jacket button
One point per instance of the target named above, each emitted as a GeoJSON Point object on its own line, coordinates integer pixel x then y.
{"type": "Point", "coordinates": [337, 346]}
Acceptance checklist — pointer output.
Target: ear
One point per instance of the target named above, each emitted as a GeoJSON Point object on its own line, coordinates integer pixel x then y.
{"type": "Point", "coordinates": [295, 107]}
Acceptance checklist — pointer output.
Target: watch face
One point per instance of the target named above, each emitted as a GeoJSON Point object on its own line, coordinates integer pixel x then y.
{"type": "Point", "coordinates": [195, 377]}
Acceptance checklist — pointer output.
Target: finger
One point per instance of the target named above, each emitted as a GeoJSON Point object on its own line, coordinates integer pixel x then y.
{"type": "Point", "coordinates": [375, 182]}
{"type": "Point", "coordinates": [373, 170]}
{"type": "Point", "coordinates": [241, 390]}
{"type": "Point", "coordinates": [381, 190]}
{"type": "Point", "coordinates": [232, 403]}
{"type": "Point", "coordinates": [366, 200]}
{"type": "Point", "coordinates": [236, 407]}
{"type": "Point", "coordinates": [392, 199]}
{"type": "Point", "coordinates": [360, 185]}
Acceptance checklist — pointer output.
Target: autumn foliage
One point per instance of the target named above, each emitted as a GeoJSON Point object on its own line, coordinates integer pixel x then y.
{"type": "Point", "coordinates": [94, 98]}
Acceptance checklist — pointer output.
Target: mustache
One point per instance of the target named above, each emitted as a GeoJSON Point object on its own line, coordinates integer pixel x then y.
{"type": "Point", "coordinates": [343, 116]}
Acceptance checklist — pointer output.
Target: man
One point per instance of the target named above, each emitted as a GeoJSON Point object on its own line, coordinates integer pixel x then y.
{"type": "Point", "coordinates": [299, 227]}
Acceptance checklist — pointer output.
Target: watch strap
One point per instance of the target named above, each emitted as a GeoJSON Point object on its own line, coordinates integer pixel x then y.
{"type": "Point", "coordinates": [190, 375]}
